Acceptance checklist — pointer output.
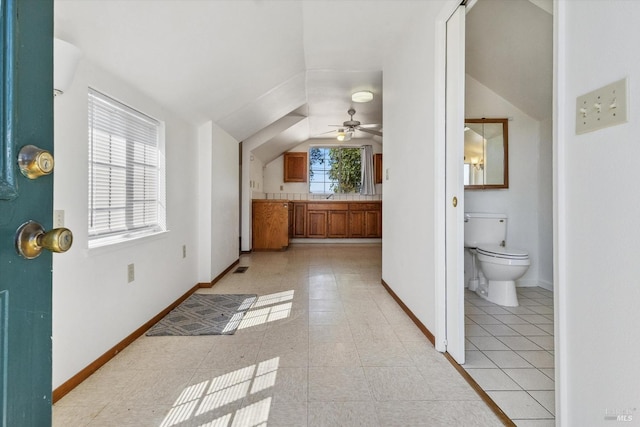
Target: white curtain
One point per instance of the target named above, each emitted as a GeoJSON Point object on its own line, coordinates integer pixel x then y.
{"type": "Point", "coordinates": [368, 187]}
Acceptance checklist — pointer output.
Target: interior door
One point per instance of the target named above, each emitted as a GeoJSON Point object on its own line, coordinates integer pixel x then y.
{"type": "Point", "coordinates": [26, 112]}
{"type": "Point", "coordinates": [454, 187]}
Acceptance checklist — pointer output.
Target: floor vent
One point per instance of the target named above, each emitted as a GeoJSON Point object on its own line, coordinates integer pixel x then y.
{"type": "Point", "coordinates": [241, 269]}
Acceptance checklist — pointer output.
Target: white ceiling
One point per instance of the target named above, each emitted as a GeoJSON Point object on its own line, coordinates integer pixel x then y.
{"type": "Point", "coordinates": [267, 72]}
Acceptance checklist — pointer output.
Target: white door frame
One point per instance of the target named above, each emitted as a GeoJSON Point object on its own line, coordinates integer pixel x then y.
{"type": "Point", "coordinates": [441, 199]}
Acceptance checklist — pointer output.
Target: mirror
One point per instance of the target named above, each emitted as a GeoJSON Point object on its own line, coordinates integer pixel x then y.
{"type": "Point", "coordinates": [486, 160]}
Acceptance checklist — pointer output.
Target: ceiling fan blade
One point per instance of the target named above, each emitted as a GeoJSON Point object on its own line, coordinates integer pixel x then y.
{"type": "Point", "coordinates": [371, 125]}
{"type": "Point", "coordinates": [324, 133]}
{"type": "Point", "coordinates": [371, 131]}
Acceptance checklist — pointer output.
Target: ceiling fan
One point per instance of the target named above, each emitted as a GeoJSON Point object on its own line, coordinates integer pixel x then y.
{"type": "Point", "coordinates": [349, 127]}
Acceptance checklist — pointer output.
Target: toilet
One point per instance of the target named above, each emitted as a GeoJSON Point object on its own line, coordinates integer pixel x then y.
{"type": "Point", "coordinates": [496, 266]}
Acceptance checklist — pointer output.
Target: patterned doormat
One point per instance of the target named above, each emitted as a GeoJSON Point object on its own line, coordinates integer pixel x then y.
{"type": "Point", "coordinates": [205, 314]}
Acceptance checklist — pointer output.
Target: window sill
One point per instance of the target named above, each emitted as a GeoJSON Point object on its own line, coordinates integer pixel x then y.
{"type": "Point", "coordinates": [119, 243]}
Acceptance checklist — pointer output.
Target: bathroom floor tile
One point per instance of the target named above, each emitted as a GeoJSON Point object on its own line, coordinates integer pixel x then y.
{"type": "Point", "coordinates": [488, 343]}
{"type": "Point", "coordinates": [539, 359]}
{"type": "Point", "coordinates": [510, 319]}
{"type": "Point", "coordinates": [546, 399]}
{"type": "Point", "coordinates": [483, 319]}
{"type": "Point", "coordinates": [507, 359]}
{"type": "Point", "coordinates": [544, 341]}
{"type": "Point", "coordinates": [531, 379]}
{"type": "Point", "coordinates": [519, 404]}
{"type": "Point", "coordinates": [493, 379]}
{"type": "Point", "coordinates": [477, 359]}
{"type": "Point", "coordinates": [520, 343]}
{"type": "Point", "coordinates": [475, 330]}
{"type": "Point", "coordinates": [528, 330]}
{"type": "Point", "coordinates": [500, 330]}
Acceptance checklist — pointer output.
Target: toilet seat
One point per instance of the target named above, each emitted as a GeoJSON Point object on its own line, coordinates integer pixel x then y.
{"type": "Point", "coordinates": [502, 252]}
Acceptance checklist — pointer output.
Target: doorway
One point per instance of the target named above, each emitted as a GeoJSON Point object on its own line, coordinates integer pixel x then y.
{"type": "Point", "coordinates": [510, 350]}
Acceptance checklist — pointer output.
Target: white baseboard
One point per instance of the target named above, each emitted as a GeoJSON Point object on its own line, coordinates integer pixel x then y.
{"type": "Point", "coordinates": [534, 283]}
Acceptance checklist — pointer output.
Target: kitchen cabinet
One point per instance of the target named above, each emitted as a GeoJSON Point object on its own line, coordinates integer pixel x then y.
{"type": "Point", "coordinates": [299, 219]}
{"type": "Point", "coordinates": [336, 219]}
{"type": "Point", "coordinates": [295, 167]}
{"type": "Point", "coordinates": [270, 224]}
{"type": "Point", "coordinates": [377, 168]}
{"type": "Point", "coordinates": [317, 224]}
{"type": "Point", "coordinates": [365, 220]}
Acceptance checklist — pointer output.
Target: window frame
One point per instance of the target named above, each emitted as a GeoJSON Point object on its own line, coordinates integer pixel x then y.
{"type": "Point", "coordinates": [329, 147]}
{"type": "Point", "coordinates": [154, 195]}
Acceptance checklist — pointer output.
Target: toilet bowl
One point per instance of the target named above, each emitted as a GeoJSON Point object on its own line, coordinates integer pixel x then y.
{"type": "Point", "coordinates": [501, 266]}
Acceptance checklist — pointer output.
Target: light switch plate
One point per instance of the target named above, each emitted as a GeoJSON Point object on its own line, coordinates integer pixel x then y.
{"type": "Point", "coordinates": [58, 218]}
{"type": "Point", "coordinates": [604, 107]}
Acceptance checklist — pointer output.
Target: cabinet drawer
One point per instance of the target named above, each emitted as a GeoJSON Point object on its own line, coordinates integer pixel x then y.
{"type": "Point", "coordinates": [327, 206]}
{"type": "Point", "coordinates": [364, 206]}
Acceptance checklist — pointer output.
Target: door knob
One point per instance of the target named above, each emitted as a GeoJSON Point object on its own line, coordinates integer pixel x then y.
{"type": "Point", "coordinates": [34, 162]}
{"type": "Point", "coordinates": [455, 201]}
{"type": "Point", "coordinates": [31, 239]}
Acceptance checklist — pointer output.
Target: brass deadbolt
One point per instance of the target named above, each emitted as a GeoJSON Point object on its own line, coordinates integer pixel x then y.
{"type": "Point", "coordinates": [34, 162]}
{"type": "Point", "coordinates": [31, 239]}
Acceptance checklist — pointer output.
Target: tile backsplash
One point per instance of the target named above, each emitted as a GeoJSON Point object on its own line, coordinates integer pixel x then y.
{"type": "Point", "coordinates": [310, 196]}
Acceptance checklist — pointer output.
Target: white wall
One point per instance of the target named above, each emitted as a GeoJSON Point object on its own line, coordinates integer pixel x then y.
{"type": "Point", "coordinates": [256, 180]}
{"type": "Point", "coordinates": [408, 219]}
{"type": "Point", "coordinates": [274, 170]}
{"type": "Point", "coordinates": [225, 202]}
{"type": "Point", "coordinates": [521, 201]}
{"type": "Point", "coordinates": [94, 307]}
{"type": "Point", "coordinates": [598, 207]}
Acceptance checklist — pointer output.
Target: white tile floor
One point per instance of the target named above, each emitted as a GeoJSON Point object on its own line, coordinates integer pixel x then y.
{"type": "Point", "coordinates": [509, 353]}
{"type": "Point", "coordinates": [325, 345]}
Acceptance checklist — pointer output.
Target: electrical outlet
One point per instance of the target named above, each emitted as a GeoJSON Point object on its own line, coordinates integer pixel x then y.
{"type": "Point", "coordinates": [131, 273]}
{"type": "Point", "coordinates": [281, 187]}
{"type": "Point", "coordinates": [602, 107]}
{"type": "Point", "coordinates": [387, 174]}
{"type": "Point", "coordinates": [184, 251]}
{"type": "Point", "coordinates": [58, 219]}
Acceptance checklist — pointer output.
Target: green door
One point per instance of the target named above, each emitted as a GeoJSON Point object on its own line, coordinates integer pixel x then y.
{"type": "Point", "coordinates": [26, 114]}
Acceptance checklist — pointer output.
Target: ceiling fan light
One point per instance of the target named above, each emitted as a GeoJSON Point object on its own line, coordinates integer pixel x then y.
{"type": "Point", "coordinates": [341, 135]}
{"type": "Point", "coordinates": [362, 96]}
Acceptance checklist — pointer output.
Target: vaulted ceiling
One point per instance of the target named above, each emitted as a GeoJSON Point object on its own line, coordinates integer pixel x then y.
{"type": "Point", "coordinates": [280, 68]}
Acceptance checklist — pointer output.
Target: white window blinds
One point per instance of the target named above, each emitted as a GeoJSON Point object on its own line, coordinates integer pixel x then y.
{"type": "Point", "coordinates": [126, 172]}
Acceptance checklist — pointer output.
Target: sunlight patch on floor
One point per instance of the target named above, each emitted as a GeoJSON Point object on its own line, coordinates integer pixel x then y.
{"type": "Point", "coordinates": [199, 399]}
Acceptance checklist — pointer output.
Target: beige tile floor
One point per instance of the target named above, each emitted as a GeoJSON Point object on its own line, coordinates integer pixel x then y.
{"type": "Point", "coordinates": [509, 353]}
{"type": "Point", "coordinates": [325, 345]}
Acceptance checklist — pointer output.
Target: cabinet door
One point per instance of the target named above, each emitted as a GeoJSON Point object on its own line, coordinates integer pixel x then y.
{"type": "Point", "coordinates": [317, 224]}
{"type": "Point", "coordinates": [338, 224]}
{"type": "Point", "coordinates": [299, 220]}
{"type": "Point", "coordinates": [357, 224]}
{"type": "Point", "coordinates": [373, 224]}
{"type": "Point", "coordinates": [270, 225]}
{"type": "Point", "coordinates": [377, 167]}
{"type": "Point", "coordinates": [295, 167]}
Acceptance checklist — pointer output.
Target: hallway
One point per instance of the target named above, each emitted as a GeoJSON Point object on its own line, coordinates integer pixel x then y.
{"type": "Point", "coordinates": [324, 345]}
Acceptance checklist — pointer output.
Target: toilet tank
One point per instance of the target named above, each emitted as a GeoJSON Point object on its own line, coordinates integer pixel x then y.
{"type": "Point", "coordinates": [484, 228]}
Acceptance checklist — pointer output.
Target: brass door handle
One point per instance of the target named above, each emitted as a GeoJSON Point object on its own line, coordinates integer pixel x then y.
{"type": "Point", "coordinates": [31, 239]}
{"type": "Point", "coordinates": [455, 201]}
{"type": "Point", "coordinates": [34, 162]}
